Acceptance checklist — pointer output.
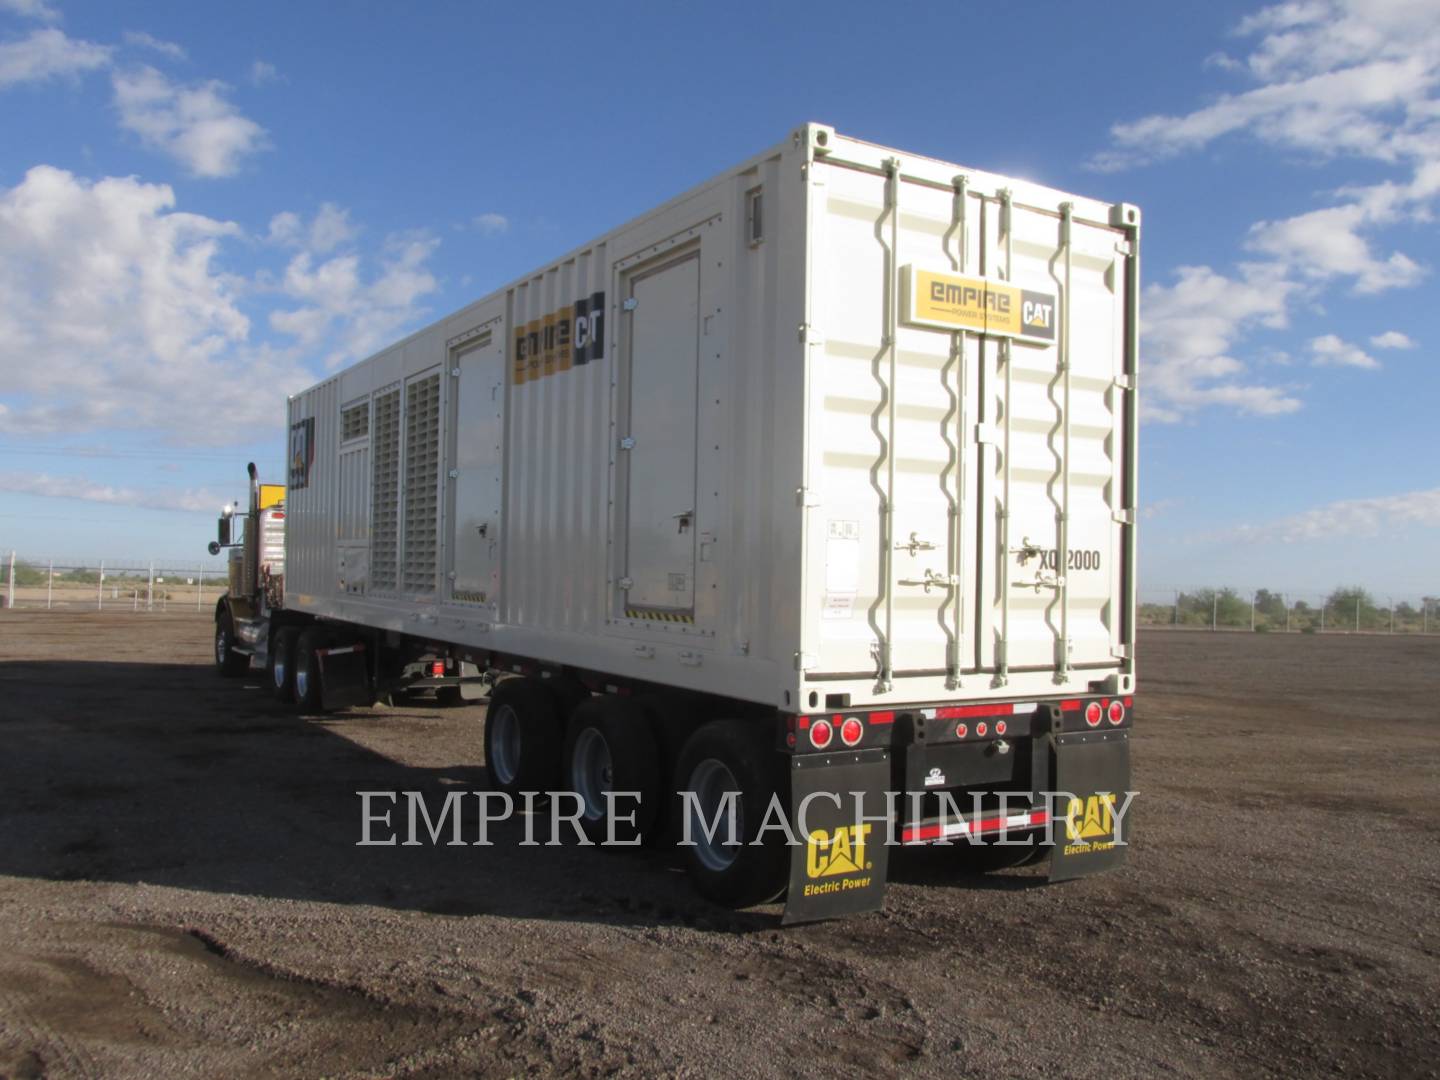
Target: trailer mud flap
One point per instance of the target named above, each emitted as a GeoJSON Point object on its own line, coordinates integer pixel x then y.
{"type": "Point", "coordinates": [344, 677]}
{"type": "Point", "coordinates": [839, 813]}
{"type": "Point", "coordinates": [1092, 803]}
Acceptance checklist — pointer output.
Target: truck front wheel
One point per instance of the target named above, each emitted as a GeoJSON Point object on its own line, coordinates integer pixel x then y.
{"type": "Point", "coordinates": [727, 771]}
{"type": "Point", "coordinates": [227, 661]}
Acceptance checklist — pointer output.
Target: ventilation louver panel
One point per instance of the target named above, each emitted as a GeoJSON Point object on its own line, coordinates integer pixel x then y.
{"type": "Point", "coordinates": [355, 422]}
{"type": "Point", "coordinates": [385, 493]}
{"type": "Point", "coordinates": [422, 484]}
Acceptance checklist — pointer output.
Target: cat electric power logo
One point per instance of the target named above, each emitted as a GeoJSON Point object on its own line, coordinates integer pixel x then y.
{"type": "Point", "coordinates": [983, 305]}
{"type": "Point", "coordinates": [568, 338]}
{"type": "Point", "coordinates": [838, 854]}
{"type": "Point", "coordinates": [1090, 824]}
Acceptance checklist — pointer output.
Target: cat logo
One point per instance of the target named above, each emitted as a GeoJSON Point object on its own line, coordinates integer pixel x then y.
{"type": "Point", "coordinates": [1090, 819]}
{"type": "Point", "coordinates": [982, 305]}
{"type": "Point", "coordinates": [842, 851]}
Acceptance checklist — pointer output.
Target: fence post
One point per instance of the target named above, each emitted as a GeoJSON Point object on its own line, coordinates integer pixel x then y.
{"type": "Point", "coordinates": [1176, 620]}
{"type": "Point", "coordinates": [1357, 614]}
{"type": "Point", "coordinates": [10, 589]}
{"type": "Point", "coordinates": [150, 588]}
{"type": "Point", "coordinates": [1392, 614]}
{"type": "Point", "coordinates": [1252, 612]}
{"type": "Point", "coordinates": [1323, 606]}
{"type": "Point", "coordinates": [49, 584]}
{"type": "Point", "coordinates": [199, 589]}
{"type": "Point", "coordinates": [1214, 611]}
{"type": "Point", "coordinates": [1287, 612]}
{"type": "Point", "coordinates": [100, 589]}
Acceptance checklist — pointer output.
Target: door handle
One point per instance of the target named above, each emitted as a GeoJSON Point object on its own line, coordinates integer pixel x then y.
{"type": "Point", "coordinates": [683, 518]}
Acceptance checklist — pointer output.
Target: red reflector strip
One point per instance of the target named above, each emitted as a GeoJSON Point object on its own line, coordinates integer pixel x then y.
{"type": "Point", "coordinates": [881, 718]}
{"type": "Point", "coordinates": [1072, 705]}
{"type": "Point", "coordinates": [919, 834]}
{"type": "Point", "coordinates": [964, 712]}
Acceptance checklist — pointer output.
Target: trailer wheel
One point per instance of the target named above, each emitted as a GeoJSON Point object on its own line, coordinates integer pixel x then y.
{"type": "Point", "coordinates": [280, 664]}
{"type": "Point", "coordinates": [610, 747]}
{"type": "Point", "coordinates": [722, 757]}
{"type": "Point", "coordinates": [227, 661]}
{"type": "Point", "coordinates": [307, 671]}
{"type": "Point", "coordinates": [523, 736]}
{"type": "Point", "coordinates": [990, 857]}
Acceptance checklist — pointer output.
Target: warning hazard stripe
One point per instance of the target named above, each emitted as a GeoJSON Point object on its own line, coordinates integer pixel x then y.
{"type": "Point", "coordinates": [919, 834]}
{"type": "Point", "coordinates": [658, 616]}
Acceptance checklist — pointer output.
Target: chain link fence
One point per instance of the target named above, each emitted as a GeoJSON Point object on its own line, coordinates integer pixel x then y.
{"type": "Point", "coordinates": [70, 584]}
{"type": "Point", "coordinates": [1345, 610]}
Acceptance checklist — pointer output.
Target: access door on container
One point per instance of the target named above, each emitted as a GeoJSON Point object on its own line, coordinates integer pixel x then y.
{"type": "Point", "coordinates": [662, 306]}
{"type": "Point", "coordinates": [476, 454]}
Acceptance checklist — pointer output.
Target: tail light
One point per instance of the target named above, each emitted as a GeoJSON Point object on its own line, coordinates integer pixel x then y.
{"type": "Point", "coordinates": [1117, 711]}
{"type": "Point", "coordinates": [821, 733]}
{"type": "Point", "coordinates": [981, 728]}
{"type": "Point", "coordinates": [851, 731]}
{"type": "Point", "coordinates": [961, 730]}
{"type": "Point", "coordinates": [1093, 714]}
{"type": "Point", "coordinates": [1000, 727]}
{"type": "Point", "coordinates": [437, 668]}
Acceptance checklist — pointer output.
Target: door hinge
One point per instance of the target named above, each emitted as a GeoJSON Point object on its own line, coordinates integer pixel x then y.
{"type": "Point", "coordinates": [986, 434]}
{"type": "Point", "coordinates": [631, 303]}
{"type": "Point", "coordinates": [627, 443]}
{"type": "Point", "coordinates": [807, 497]}
{"type": "Point", "coordinates": [1121, 652]}
{"type": "Point", "coordinates": [1123, 517]}
{"type": "Point", "coordinates": [626, 583]}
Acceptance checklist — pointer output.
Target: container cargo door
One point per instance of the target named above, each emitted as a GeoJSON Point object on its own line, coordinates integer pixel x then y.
{"type": "Point", "coordinates": [476, 440]}
{"type": "Point", "coordinates": [967, 402]}
{"type": "Point", "coordinates": [663, 306]}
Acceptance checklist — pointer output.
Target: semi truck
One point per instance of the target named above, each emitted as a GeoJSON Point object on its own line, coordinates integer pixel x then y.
{"type": "Point", "coordinates": [813, 487]}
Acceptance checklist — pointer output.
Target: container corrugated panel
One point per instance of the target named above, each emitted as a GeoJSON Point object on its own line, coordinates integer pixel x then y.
{"type": "Point", "coordinates": [723, 447]}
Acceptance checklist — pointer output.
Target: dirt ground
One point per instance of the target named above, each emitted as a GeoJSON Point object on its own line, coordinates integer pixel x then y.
{"type": "Point", "coordinates": [181, 894]}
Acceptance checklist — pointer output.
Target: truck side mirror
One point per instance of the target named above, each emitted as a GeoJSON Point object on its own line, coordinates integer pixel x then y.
{"type": "Point", "coordinates": [223, 539]}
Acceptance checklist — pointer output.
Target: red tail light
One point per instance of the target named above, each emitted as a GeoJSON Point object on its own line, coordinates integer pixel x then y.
{"type": "Point", "coordinates": [1000, 727]}
{"type": "Point", "coordinates": [961, 731]}
{"type": "Point", "coordinates": [851, 731]}
{"type": "Point", "coordinates": [437, 668]}
{"type": "Point", "coordinates": [821, 733]}
{"type": "Point", "coordinates": [1093, 714]}
{"type": "Point", "coordinates": [1117, 712]}
{"type": "Point", "coordinates": [981, 728]}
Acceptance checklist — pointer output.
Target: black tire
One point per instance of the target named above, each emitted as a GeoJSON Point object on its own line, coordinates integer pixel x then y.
{"type": "Point", "coordinates": [524, 732]}
{"type": "Point", "coordinates": [610, 746]}
{"type": "Point", "coordinates": [990, 857]}
{"type": "Point", "coordinates": [280, 664]}
{"type": "Point", "coordinates": [227, 661]}
{"type": "Point", "coordinates": [308, 691]}
{"type": "Point", "coordinates": [745, 874]}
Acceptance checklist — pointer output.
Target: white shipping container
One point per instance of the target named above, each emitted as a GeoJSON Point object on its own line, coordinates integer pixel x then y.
{"type": "Point", "coordinates": [840, 426]}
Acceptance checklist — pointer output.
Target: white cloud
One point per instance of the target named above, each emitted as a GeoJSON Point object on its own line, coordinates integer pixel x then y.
{"type": "Point", "coordinates": [358, 316]}
{"type": "Point", "coordinates": [113, 315]}
{"type": "Point", "coordinates": [142, 40]}
{"type": "Point", "coordinates": [1190, 329]}
{"type": "Point", "coordinates": [78, 487]}
{"type": "Point", "coordinates": [1328, 350]}
{"type": "Point", "coordinates": [329, 229]}
{"type": "Point", "coordinates": [49, 54]}
{"type": "Point", "coordinates": [1326, 244]}
{"type": "Point", "coordinates": [492, 224]}
{"type": "Point", "coordinates": [195, 124]}
{"type": "Point", "coordinates": [1392, 339]}
{"type": "Point", "coordinates": [1348, 518]}
{"type": "Point", "coordinates": [263, 72]}
{"type": "Point", "coordinates": [31, 9]}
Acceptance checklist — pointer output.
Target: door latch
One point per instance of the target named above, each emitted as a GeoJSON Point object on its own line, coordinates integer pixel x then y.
{"type": "Point", "coordinates": [683, 518]}
{"type": "Point", "coordinates": [915, 545]}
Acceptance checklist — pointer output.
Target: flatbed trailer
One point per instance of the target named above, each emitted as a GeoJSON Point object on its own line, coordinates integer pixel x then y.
{"type": "Point", "coordinates": [817, 479]}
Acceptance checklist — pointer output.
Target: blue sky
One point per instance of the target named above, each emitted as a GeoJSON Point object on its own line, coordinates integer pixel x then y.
{"type": "Point", "coordinates": [204, 207]}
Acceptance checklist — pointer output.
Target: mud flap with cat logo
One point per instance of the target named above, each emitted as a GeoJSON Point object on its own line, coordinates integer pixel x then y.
{"type": "Point", "coordinates": [839, 813]}
{"type": "Point", "coordinates": [1092, 803]}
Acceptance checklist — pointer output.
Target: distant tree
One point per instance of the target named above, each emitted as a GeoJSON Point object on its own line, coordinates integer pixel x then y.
{"type": "Point", "coordinates": [1270, 605]}
{"type": "Point", "coordinates": [1347, 600]}
{"type": "Point", "coordinates": [81, 575]}
{"type": "Point", "coordinates": [25, 573]}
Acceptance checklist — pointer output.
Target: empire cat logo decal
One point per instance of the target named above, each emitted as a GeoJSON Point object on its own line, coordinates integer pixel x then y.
{"type": "Point", "coordinates": [984, 305]}
{"type": "Point", "coordinates": [564, 339]}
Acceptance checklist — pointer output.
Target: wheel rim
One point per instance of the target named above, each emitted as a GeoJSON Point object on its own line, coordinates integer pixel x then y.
{"type": "Point", "coordinates": [302, 682]}
{"type": "Point", "coordinates": [504, 745]}
{"type": "Point", "coordinates": [710, 781]}
{"type": "Point", "coordinates": [222, 646]}
{"type": "Point", "coordinates": [592, 771]}
{"type": "Point", "coordinates": [279, 673]}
